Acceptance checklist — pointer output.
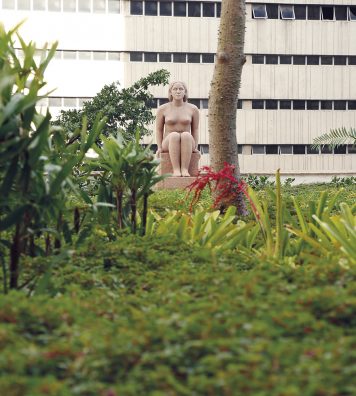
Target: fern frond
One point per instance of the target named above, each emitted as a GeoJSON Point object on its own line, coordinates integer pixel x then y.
{"type": "Point", "coordinates": [335, 138]}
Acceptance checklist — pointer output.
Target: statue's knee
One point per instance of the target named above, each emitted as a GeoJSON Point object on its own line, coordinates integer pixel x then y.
{"type": "Point", "coordinates": [186, 136]}
{"type": "Point", "coordinates": [174, 136]}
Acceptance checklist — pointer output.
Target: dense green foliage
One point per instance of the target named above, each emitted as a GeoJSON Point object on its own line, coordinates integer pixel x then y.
{"type": "Point", "coordinates": [166, 319]}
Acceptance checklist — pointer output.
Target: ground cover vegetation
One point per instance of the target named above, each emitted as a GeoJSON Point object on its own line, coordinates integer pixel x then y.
{"type": "Point", "coordinates": [110, 288]}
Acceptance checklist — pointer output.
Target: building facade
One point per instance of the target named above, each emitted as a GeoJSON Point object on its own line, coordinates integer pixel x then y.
{"type": "Point", "coordinates": [297, 83]}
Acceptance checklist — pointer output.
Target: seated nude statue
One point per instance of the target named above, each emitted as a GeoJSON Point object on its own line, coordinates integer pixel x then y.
{"type": "Point", "coordinates": [177, 125]}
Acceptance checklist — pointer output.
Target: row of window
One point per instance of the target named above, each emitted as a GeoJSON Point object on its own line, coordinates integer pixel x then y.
{"type": "Point", "coordinates": [56, 101]}
{"type": "Point", "coordinates": [310, 12]}
{"type": "Point", "coordinates": [271, 59]}
{"type": "Point", "coordinates": [81, 55]}
{"type": "Point", "coordinates": [95, 6]}
{"type": "Point", "coordinates": [282, 149]}
{"type": "Point", "coordinates": [177, 57]}
{"type": "Point", "coordinates": [271, 104]}
{"type": "Point", "coordinates": [176, 8]}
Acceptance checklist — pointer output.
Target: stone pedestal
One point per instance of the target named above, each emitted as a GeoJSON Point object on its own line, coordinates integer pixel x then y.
{"type": "Point", "coordinates": [174, 182]}
{"type": "Point", "coordinates": [166, 166]}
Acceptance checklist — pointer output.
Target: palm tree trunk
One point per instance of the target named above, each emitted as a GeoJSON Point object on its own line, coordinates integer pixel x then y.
{"type": "Point", "coordinates": [133, 210]}
{"type": "Point", "coordinates": [225, 87]}
{"type": "Point", "coordinates": [144, 213]}
{"type": "Point", "coordinates": [119, 196]}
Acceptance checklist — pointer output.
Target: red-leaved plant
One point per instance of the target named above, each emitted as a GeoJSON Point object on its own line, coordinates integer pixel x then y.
{"type": "Point", "coordinates": [225, 187]}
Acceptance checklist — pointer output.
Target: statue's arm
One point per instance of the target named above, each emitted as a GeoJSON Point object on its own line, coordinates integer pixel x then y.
{"type": "Point", "coordinates": [159, 129]}
{"type": "Point", "coordinates": [195, 127]}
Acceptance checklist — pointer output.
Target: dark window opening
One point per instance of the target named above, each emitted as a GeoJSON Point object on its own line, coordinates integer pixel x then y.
{"type": "Point", "coordinates": [208, 9]}
{"type": "Point", "coordinates": [165, 9]}
{"type": "Point", "coordinates": [352, 13]}
{"type": "Point", "coordinates": [312, 105]}
{"type": "Point", "coordinates": [258, 149]}
{"type": "Point", "coordinates": [179, 8]}
{"type": "Point", "coordinates": [340, 60]}
{"type": "Point", "coordinates": [352, 105]}
{"type": "Point", "coordinates": [153, 103]}
{"type": "Point", "coordinates": [340, 149]}
{"type": "Point", "coordinates": [150, 57]}
{"type": "Point", "coordinates": [257, 104]}
{"type": "Point", "coordinates": [285, 59]}
{"type": "Point", "coordinates": [194, 9]}
{"type": "Point", "coordinates": [193, 58]}
{"type": "Point", "coordinates": [287, 12]}
{"type": "Point", "coordinates": [352, 60]}
{"type": "Point", "coordinates": [239, 149]}
{"type": "Point", "coordinates": [312, 60]}
{"type": "Point", "coordinates": [239, 104]}
{"type": "Point", "coordinates": [351, 149]}
{"type": "Point", "coordinates": [285, 149]}
{"type": "Point", "coordinates": [272, 59]}
{"type": "Point", "coordinates": [285, 104]}
{"type": "Point", "coordinates": [327, 13]}
{"type": "Point", "coordinates": [195, 102]}
{"type": "Point", "coordinates": [179, 58]}
{"type": "Point", "coordinates": [313, 13]}
{"type": "Point", "coordinates": [312, 150]}
{"type": "Point", "coordinates": [259, 11]}
{"type": "Point", "coordinates": [272, 11]}
{"type": "Point", "coordinates": [163, 101]}
{"type": "Point", "coordinates": [298, 104]}
{"type": "Point", "coordinates": [207, 58]}
{"type": "Point", "coordinates": [340, 105]}
{"type": "Point", "coordinates": [218, 10]}
{"type": "Point", "coordinates": [136, 7]}
{"type": "Point", "coordinates": [204, 148]}
{"type": "Point", "coordinates": [258, 59]}
{"type": "Point", "coordinates": [300, 12]}
{"type": "Point", "coordinates": [205, 103]}
{"type": "Point", "coordinates": [326, 105]}
{"type": "Point", "coordinates": [298, 60]}
{"type": "Point", "coordinates": [271, 148]}
{"type": "Point", "coordinates": [298, 149]}
{"type": "Point", "coordinates": [340, 13]}
{"type": "Point", "coordinates": [165, 57]}
{"type": "Point", "coordinates": [135, 56]}
{"type": "Point", "coordinates": [326, 60]}
{"type": "Point", "coordinates": [271, 104]}
{"type": "Point", "coordinates": [151, 7]}
{"type": "Point", "coordinates": [326, 150]}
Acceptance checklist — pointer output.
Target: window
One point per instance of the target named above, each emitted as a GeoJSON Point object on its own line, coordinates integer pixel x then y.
{"type": "Point", "coordinates": [326, 60]}
{"type": "Point", "coordinates": [8, 4]}
{"type": "Point", "coordinates": [326, 150]}
{"type": "Point", "coordinates": [84, 55]}
{"type": "Point", "coordinates": [69, 55]}
{"type": "Point", "coordinates": [41, 5]}
{"type": "Point", "coordinates": [259, 11]}
{"type": "Point", "coordinates": [271, 149]}
{"type": "Point", "coordinates": [285, 149]}
{"type": "Point", "coordinates": [313, 12]}
{"type": "Point", "coordinates": [194, 9]}
{"type": "Point", "coordinates": [327, 13]}
{"type": "Point", "coordinates": [136, 7]}
{"type": "Point", "coordinates": [165, 9]}
{"type": "Point", "coordinates": [340, 13]}
{"type": "Point", "coordinates": [340, 149]}
{"type": "Point", "coordinates": [150, 57]}
{"type": "Point", "coordinates": [326, 105]}
{"type": "Point", "coordinates": [352, 13]}
{"type": "Point", "coordinates": [300, 12]}
{"type": "Point", "coordinates": [239, 149]}
{"type": "Point", "coordinates": [193, 58]}
{"type": "Point", "coordinates": [271, 104]}
{"type": "Point", "coordinates": [258, 149]}
{"type": "Point", "coordinates": [179, 58]}
{"type": "Point", "coordinates": [99, 6]}
{"type": "Point", "coordinates": [258, 59]}
{"type": "Point", "coordinates": [69, 102]}
{"type": "Point", "coordinates": [298, 149]}
{"type": "Point", "coordinates": [82, 101]}
{"type": "Point", "coordinates": [272, 11]}
{"type": "Point", "coordinates": [23, 4]}
{"type": "Point", "coordinates": [208, 9]}
{"type": "Point", "coordinates": [114, 56]}
{"type": "Point", "coordinates": [69, 5]}
{"type": "Point", "coordinates": [195, 102]}
{"type": "Point", "coordinates": [287, 12]}
{"type": "Point", "coordinates": [55, 102]}
{"type": "Point", "coordinates": [207, 58]}
{"type": "Point", "coordinates": [99, 55]}
{"type": "Point", "coordinates": [298, 105]}
{"type": "Point", "coordinates": [285, 59]}
{"type": "Point", "coordinates": [257, 104]}
{"type": "Point", "coordinates": [114, 6]}
{"type": "Point", "coordinates": [352, 60]}
{"type": "Point", "coordinates": [285, 104]}
{"type": "Point", "coordinates": [352, 105]}
{"type": "Point", "coordinates": [351, 149]}
{"type": "Point", "coordinates": [135, 56]}
{"type": "Point", "coordinates": [298, 60]}
{"type": "Point", "coordinates": [179, 8]}
{"type": "Point", "coordinates": [239, 104]}
{"type": "Point", "coordinates": [340, 60]}
{"type": "Point", "coordinates": [204, 148]}
{"type": "Point", "coordinates": [312, 150]}
{"type": "Point", "coordinates": [164, 57]}
{"type": "Point", "coordinates": [153, 103]}
{"type": "Point", "coordinates": [54, 5]}
{"type": "Point", "coordinates": [272, 59]}
{"type": "Point", "coordinates": [312, 105]}
{"type": "Point", "coordinates": [151, 7]}
{"type": "Point", "coordinates": [340, 105]}
{"type": "Point", "coordinates": [312, 60]}
{"type": "Point", "coordinates": [84, 5]}
{"type": "Point", "coordinates": [205, 103]}
{"type": "Point", "coordinates": [218, 9]}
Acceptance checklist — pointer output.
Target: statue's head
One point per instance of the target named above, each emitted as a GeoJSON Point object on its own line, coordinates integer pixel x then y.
{"type": "Point", "coordinates": [177, 84]}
